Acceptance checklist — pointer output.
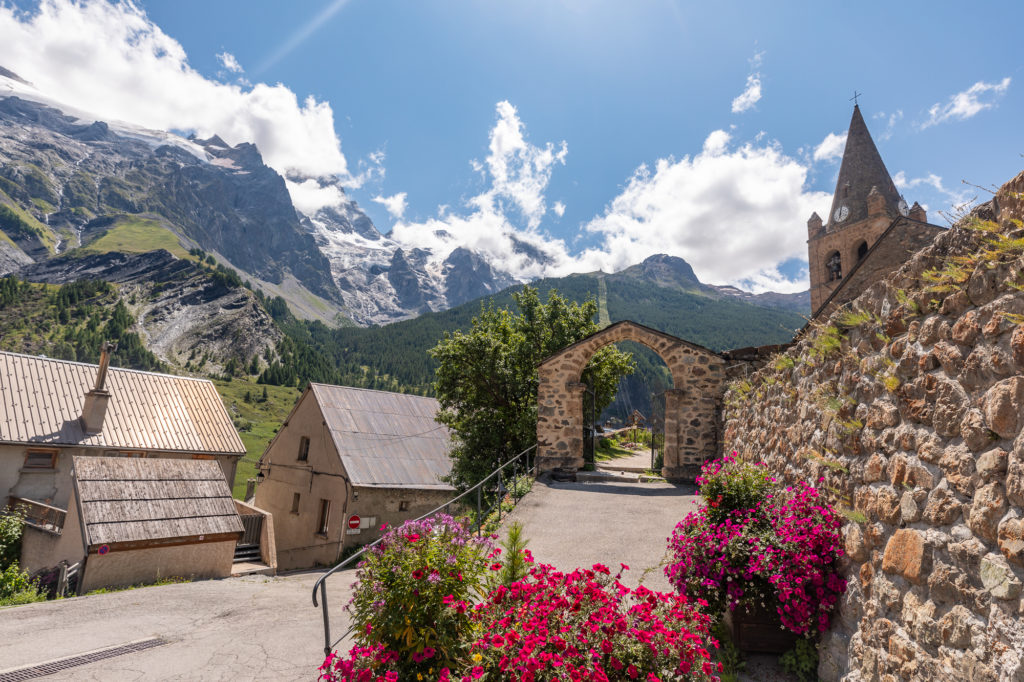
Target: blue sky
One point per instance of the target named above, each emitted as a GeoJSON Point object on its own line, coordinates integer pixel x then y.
{"type": "Point", "coordinates": [600, 132]}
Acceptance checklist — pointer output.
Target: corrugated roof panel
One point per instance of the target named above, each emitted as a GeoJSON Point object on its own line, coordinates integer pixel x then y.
{"type": "Point", "coordinates": [42, 400]}
{"type": "Point", "coordinates": [386, 439]}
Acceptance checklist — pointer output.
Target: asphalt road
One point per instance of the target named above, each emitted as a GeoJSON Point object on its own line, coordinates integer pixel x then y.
{"type": "Point", "coordinates": [572, 525]}
{"type": "Point", "coordinates": [247, 628]}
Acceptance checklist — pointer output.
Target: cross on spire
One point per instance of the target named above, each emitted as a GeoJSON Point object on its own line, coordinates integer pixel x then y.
{"type": "Point", "coordinates": [855, 96]}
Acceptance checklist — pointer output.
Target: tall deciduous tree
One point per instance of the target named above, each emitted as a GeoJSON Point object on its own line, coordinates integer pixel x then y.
{"type": "Point", "coordinates": [487, 378]}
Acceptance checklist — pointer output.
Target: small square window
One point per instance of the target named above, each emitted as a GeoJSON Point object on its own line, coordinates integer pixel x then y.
{"type": "Point", "coordinates": [403, 505]}
{"type": "Point", "coordinates": [295, 503]}
{"type": "Point", "coordinates": [303, 449]}
{"type": "Point", "coordinates": [40, 459]}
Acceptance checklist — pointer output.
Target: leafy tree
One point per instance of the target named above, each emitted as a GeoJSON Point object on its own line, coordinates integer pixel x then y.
{"type": "Point", "coordinates": [487, 378]}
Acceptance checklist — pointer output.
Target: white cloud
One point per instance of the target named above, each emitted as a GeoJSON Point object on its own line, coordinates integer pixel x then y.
{"type": "Point", "coordinates": [964, 105]}
{"type": "Point", "coordinates": [733, 214]}
{"type": "Point", "coordinates": [395, 204]}
{"type": "Point", "coordinates": [716, 142]}
{"type": "Point", "coordinates": [752, 93]}
{"type": "Point", "coordinates": [952, 198]}
{"type": "Point", "coordinates": [750, 96]}
{"type": "Point", "coordinates": [558, 208]}
{"type": "Point", "coordinates": [309, 196]}
{"type": "Point", "coordinates": [228, 61]}
{"type": "Point", "coordinates": [831, 147]}
{"type": "Point", "coordinates": [113, 61]}
{"type": "Point", "coordinates": [891, 121]}
{"type": "Point", "coordinates": [519, 171]}
{"type": "Point", "coordinates": [504, 217]}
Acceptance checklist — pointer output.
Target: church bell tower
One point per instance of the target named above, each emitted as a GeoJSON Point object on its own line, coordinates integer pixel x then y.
{"type": "Point", "coordinates": [865, 205]}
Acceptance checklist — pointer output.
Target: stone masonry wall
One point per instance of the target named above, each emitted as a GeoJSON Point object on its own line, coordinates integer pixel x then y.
{"type": "Point", "coordinates": [908, 407]}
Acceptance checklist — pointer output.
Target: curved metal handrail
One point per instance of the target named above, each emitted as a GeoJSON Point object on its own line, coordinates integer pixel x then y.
{"type": "Point", "coordinates": [321, 583]}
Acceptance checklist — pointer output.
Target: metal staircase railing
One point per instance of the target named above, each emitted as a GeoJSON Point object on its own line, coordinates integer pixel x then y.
{"type": "Point", "coordinates": [489, 494]}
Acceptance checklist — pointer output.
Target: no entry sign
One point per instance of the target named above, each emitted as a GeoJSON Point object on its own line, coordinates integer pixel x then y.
{"type": "Point", "coordinates": [353, 521]}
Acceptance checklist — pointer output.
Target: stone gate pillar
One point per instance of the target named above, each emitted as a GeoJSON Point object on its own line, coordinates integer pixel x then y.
{"type": "Point", "coordinates": [671, 468]}
{"type": "Point", "coordinates": [559, 422]}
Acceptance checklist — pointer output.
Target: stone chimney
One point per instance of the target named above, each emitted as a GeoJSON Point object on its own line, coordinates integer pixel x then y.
{"type": "Point", "coordinates": [813, 225]}
{"type": "Point", "coordinates": [918, 213]}
{"type": "Point", "coordinates": [876, 202]}
{"type": "Point", "coordinates": [95, 408]}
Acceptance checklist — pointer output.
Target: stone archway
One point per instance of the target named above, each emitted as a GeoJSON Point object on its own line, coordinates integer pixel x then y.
{"type": "Point", "coordinates": [691, 404]}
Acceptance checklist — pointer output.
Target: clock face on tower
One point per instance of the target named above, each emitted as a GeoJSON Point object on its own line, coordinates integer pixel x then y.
{"type": "Point", "coordinates": [903, 208]}
{"type": "Point", "coordinates": [841, 214]}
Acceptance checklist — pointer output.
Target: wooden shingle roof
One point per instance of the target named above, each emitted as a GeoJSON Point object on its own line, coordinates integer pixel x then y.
{"type": "Point", "coordinates": [41, 400]}
{"type": "Point", "coordinates": [127, 499]}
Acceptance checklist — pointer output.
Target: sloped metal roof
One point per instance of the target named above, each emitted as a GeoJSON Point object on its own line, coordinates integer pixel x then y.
{"type": "Point", "coordinates": [126, 499]}
{"type": "Point", "coordinates": [387, 440]}
{"type": "Point", "coordinates": [41, 400]}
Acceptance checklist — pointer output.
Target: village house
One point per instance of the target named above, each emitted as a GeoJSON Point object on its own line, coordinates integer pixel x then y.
{"type": "Point", "coordinates": [345, 462]}
{"type": "Point", "coordinates": [55, 414]}
{"type": "Point", "coordinates": [137, 521]}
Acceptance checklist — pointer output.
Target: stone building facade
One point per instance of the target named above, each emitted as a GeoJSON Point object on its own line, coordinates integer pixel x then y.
{"type": "Point", "coordinates": [691, 405]}
{"type": "Point", "coordinates": [865, 207]}
{"type": "Point", "coordinates": [914, 424]}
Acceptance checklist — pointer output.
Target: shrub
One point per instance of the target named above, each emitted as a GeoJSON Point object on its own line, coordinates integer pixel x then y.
{"type": "Point", "coordinates": [17, 588]}
{"type": "Point", "coordinates": [730, 484]}
{"type": "Point", "coordinates": [585, 625]}
{"type": "Point", "coordinates": [11, 525]}
{"type": "Point", "coordinates": [411, 607]}
{"type": "Point", "coordinates": [517, 557]}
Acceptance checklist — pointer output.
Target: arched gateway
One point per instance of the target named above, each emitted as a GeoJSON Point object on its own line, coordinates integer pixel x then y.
{"type": "Point", "coordinates": [690, 406]}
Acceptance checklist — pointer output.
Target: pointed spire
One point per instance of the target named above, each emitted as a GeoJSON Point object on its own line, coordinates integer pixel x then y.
{"type": "Point", "coordinates": [861, 170]}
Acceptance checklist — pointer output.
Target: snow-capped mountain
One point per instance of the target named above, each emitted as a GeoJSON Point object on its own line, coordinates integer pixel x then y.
{"type": "Point", "coordinates": [68, 178]}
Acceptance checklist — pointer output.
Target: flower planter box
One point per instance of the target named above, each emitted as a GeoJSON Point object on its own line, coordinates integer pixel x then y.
{"type": "Point", "coordinates": [757, 630]}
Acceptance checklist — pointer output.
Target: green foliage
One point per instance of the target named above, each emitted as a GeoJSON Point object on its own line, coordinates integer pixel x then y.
{"type": "Point", "coordinates": [487, 378]}
{"type": "Point", "coordinates": [827, 342]}
{"type": "Point", "coordinates": [728, 655]}
{"type": "Point", "coordinates": [70, 322]}
{"type": "Point", "coordinates": [801, 660]}
{"type": "Point", "coordinates": [17, 588]}
{"type": "Point", "coordinates": [783, 361]}
{"type": "Point", "coordinates": [19, 224]}
{"type": "Point", "coordinates": [15, 585]}
{"type": "Point", "coordinates": [415, 590]}
{"type": "Point", "coordinates": [515, 566]}
{"type": "Point", "coordinates": [730, 484]}
{"type": "Point", "coordinates": [11, 525]}
{"type": "Point", "coordinates": [12, 290]}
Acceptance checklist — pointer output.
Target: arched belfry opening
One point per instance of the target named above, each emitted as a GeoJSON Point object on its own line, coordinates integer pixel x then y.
{"type": "Point", "coordinates": [691, 405]}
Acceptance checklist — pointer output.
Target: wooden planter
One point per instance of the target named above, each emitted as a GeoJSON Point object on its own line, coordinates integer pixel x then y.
{"type": "Point", "coordinates": [757, 630]}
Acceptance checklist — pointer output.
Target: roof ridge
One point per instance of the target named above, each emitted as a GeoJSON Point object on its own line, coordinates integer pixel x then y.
{"type": "Point", "coordinates": [370, 390]}
{"type": "Point", "coordinates": [112, 368]}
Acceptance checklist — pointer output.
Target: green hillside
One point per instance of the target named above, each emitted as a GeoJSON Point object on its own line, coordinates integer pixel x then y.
{"type": "Point", "coordinates": [395, 357]}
